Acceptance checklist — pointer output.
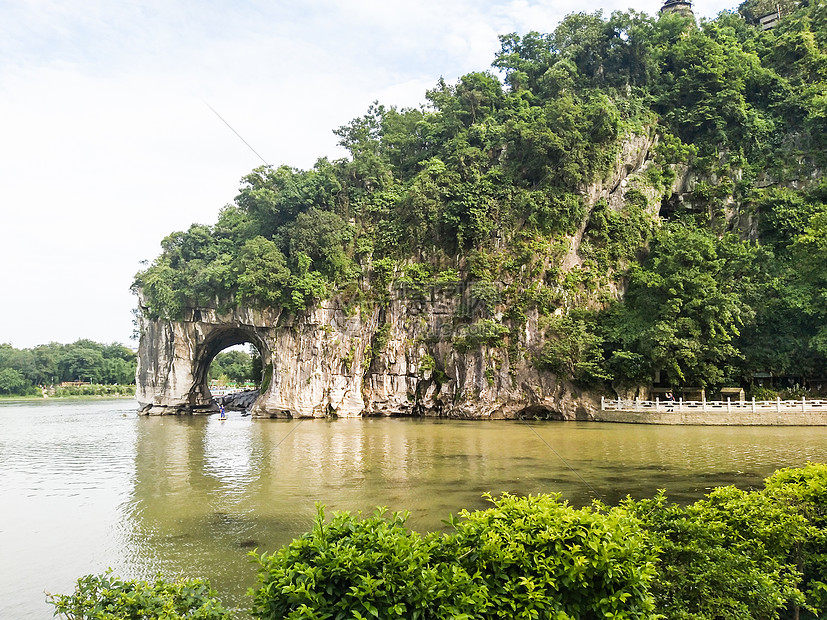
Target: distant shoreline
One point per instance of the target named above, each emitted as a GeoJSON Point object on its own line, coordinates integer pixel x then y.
{"type": "Point", "coordinates": [37, 397]}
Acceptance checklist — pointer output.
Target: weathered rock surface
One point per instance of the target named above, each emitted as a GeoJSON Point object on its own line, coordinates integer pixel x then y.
{"type": "Point", "coordinates": [238, 401]}
{"type": "Point", "coordinates": [393, 361]}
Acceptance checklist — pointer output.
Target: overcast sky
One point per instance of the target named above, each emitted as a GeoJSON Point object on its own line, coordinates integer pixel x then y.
{"type": "Point", "coordinates": [108, 143]}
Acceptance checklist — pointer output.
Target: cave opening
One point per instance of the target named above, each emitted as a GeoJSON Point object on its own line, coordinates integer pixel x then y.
{"type": "Point", "coordinates": [236, 367]}
{"type": "Point", "coordinates": [230, 361]}
{"type": "Point", "coordinates": [539, 412]}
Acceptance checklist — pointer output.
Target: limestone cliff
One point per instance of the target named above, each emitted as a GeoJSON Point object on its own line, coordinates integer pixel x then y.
{"type": "Point", "coordinates": [328, 362]}
{"type": "Point", "coordinates": [399, 357]}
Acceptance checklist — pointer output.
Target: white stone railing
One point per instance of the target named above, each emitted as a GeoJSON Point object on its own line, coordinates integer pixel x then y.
{"type": "Point", "coordinates": [223, 391]}
{"type": "Point", "coordinates": [657, 405]}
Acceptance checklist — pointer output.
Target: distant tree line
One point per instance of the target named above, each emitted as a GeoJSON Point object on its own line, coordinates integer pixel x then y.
{"type": "Point", "coordinates": [235, 367]}
{"type": "Point", "coordinates": [488, 182]}
{"type": "Point", "coordinates": [22, 371]}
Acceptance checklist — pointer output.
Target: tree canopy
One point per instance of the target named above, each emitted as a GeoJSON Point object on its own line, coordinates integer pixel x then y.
{"type": "Point", "coordinates": [708, 277]}
{"type": "Point", "coordinates": [22, 370]}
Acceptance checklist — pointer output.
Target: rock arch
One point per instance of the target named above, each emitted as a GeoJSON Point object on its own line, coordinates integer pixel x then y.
{"type": "Point", "coordinates": [219, 340]}
{"type": "Point", "coordinates": [175, 356]}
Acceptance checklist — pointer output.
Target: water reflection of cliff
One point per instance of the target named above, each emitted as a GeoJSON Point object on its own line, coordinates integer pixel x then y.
{"type": "Point", "coordinates": [186, 514]}
{"type": "Point", "coordinates": [206, 492]}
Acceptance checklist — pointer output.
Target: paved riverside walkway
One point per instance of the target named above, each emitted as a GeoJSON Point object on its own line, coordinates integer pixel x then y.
{"type": "Point", "coordinates": [715, 412]}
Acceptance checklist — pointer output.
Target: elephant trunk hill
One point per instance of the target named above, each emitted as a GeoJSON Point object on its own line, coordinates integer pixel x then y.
{"type": "Point", "coordinates": [632, 202]}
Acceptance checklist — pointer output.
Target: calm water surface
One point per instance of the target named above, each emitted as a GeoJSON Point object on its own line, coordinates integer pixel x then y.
{"type": "Point", "coordinates": [88, 485]}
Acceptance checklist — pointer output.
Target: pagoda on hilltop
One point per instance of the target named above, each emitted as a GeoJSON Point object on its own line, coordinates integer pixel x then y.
{"type": "Point", "coordinates": [681, 7]}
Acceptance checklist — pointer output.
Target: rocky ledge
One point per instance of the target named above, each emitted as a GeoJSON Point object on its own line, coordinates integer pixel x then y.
{"type": "Point", "coordinates": [400, 359]}
{"type": "Point", "coordinates": [238, 401]}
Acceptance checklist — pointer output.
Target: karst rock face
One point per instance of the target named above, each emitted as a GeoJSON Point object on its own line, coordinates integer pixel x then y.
{"type": "Point", "coordinates": [333, 361]}
{"type": "Point", "coordinates": [396, 356]}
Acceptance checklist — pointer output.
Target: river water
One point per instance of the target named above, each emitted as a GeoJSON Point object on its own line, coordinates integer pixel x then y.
{"type": "Point", "coordinates": [88, 484]}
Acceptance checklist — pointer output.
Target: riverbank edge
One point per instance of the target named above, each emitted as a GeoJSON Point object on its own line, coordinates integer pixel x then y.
{"type": "Point", "coordinates": [663, 418]}
{"type": "Point", "coordinates": [714, 418]}
{"type": "Point", "coordinates": [7, 398]}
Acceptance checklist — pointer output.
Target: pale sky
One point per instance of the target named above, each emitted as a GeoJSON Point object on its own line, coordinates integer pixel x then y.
{"type": "Point", "coordinates": [107, 143]}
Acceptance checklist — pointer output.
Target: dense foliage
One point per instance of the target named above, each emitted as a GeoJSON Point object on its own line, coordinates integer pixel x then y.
{"type": "Point", "coordinates": [235, 367]}
{"type": "Point", "coordinates": [105, 597]}
{"type": "Point", "coordinates": [733, 554]}
{"type": "Point", "coordinates": [362, 568]}
{"type": "Point", "coordinates": [748, 555]}
{"type": "Point", "coordinates": [23, 370]}
{"type": "Point", "coordinates": [91, 389]}
{"type": "Point", "coordinates": [533, 557]}
{"type": "Point", "coordinates": [805, 489]}
{"type": "Point", "coordinates": [537, 557]}
{"type": "Point", "coordinates": [493, 183]}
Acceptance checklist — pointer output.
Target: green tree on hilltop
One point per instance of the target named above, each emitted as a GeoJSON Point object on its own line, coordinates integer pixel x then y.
{"type": "Point", "coordinates": [682, 310]}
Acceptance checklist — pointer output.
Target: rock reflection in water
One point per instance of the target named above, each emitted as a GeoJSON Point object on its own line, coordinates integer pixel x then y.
{"type": "Point", "coordinates": [87, 488]}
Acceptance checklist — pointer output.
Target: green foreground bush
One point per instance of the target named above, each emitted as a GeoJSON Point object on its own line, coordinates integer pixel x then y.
{"type": "Point", "coordinates": [732, 555]}
{"type": "Point", "coordinates": [104, 597]}
{"type": "Point", "coordinates": [526, 557]}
